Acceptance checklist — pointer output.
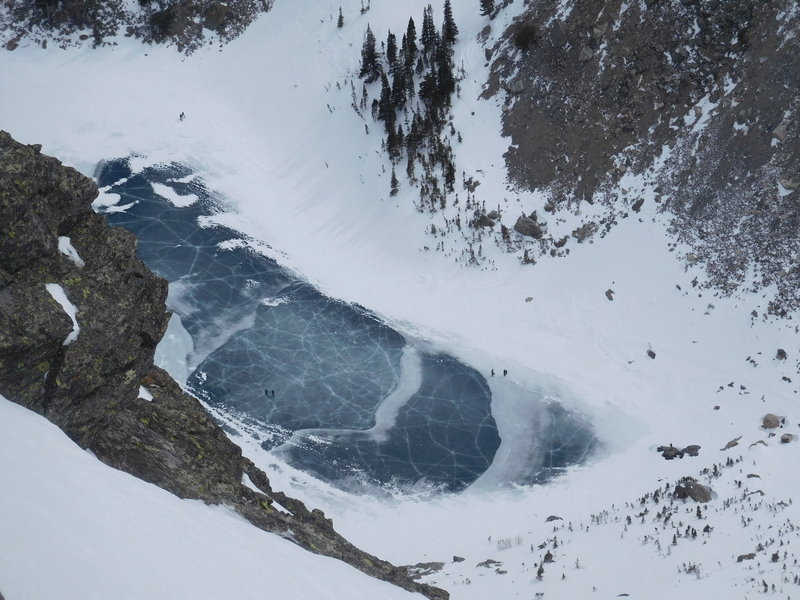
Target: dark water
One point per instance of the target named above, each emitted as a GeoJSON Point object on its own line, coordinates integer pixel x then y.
{"type": "Point", "coordinates": [256, 327]}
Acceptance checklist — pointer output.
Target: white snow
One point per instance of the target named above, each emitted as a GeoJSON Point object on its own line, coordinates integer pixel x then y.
{"type": "Point", "coordinates": [145, 394]}
{"type": "Point", "coordinates": [60, 296]}
{"type": "Point", "coordinates": [67, 249]}
{"type": "Point", "coordinates": [179, 200]}
{"type": "Point", "coordinates": [782, 190]}
{"type": "Point", "coordinates": [174, 350]}
{"type": "Point", "coordinates": [312, 184]}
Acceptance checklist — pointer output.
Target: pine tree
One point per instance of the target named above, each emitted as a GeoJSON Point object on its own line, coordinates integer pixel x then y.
{"type": "Point", "coordinates": [340, 21]}
{"type": "Point", "coordinates": [401, 139]}
{"type": "Point", "coordinates": [445, 82]}
{"type": "Point", "coordinates": [449, 29]}
{"type": "Point", "coordinates": [399, 89]}
{"type": "Point", "coordinates": [385, 103]}
{"type": "Point", "coordinates": [428, 35]}
{"type": "Point", "coordinates": [449, 176]}
{"type": "Point", "coordinates": [410, 168]}
{"type": "Point", "coordinates": [391, 49]}
{"type": "Point", "coordinates": [394, 184]}
{"type": "Point", "coordinates": [411, 43]}
{"type": "Point", "coordinates": [487, 7]}
{"type": "Point", "coordinates": [428, 89]}
{"type": "Point", "coordinates": [370, 67]}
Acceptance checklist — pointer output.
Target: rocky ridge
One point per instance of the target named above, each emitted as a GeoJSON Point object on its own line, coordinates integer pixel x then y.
{"type": "Point", "coordinates": [697, 96]}
{"type": "Point", "coordinates": [97, 381]}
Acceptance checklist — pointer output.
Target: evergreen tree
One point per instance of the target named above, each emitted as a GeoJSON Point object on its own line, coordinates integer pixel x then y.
{"type": "Point", "coordinates": [408, 75]}
{"type": "Point", "coordinates": [386, 112]}
{"type": "Point", "coordinates": [401, 138]}
{"type": "Point", "coordinates": [428, 35]}
{"type": "Point", "coordinates": [449, 176]}
{"type": "Point", "coordinates": [411, 43]}
{"type": "Point", "coordinates": [428, 89]}
{"type": "Point", "coordinates": [445, 81]}
{"type": "Point", "coordinates": [399, 89]}
{"type": "Point", "coordinates": [391, 49]}
{"type": "Point", "coordinates": [487, 7]}
{"type": "Point", "coordinates": [420, 68]}
{"type": "Point", "coordinates": [370, 67]}
{"type": "Point", "coordinates": [340, 21]}
{"type": "Point", "coordinates": [394, 184]}
{"type": "Point", "coordinates": [385, 103]}
{"type": "Point", "coordinates": [449, 29]}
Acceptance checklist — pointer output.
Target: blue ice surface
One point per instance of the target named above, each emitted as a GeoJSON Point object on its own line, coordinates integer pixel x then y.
{"type": "Point", "coordinates": [270, 346]}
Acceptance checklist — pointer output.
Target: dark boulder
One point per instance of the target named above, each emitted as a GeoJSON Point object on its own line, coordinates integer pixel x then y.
{"type": "Point", "coordinates": [691, 450]}
{"type": "Point", "coordinates": [669, 452]}
{"type": "Point", "coordinates": [691, 488]}
{"type": "Point", "coordinates": [748, 556]}
{"type": "Point", "coordinates": [529, 227]}
{"type": "Point", "coordinates": [770, 421]}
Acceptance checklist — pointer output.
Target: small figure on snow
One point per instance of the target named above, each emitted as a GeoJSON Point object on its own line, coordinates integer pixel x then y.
{"type": "Point", "coordinates": [505, 372]}
{"type": "Point", "coordinates": [492, 372]}
{"type": "Point", "coordinates": [182, 116]}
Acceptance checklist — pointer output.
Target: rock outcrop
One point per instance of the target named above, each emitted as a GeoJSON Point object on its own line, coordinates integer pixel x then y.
{"type": "Point", "coordinates": [688, 487]}
{"type": "Point", "coordinates": [702, 92]}
{"type": "Point", "coordinates": [185, 23]}
{"type": "Point", "coordinates": [88, 379]}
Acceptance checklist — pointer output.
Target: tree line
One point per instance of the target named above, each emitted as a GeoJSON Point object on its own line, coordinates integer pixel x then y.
{"type": "Point", "coordinates": [417, 81]}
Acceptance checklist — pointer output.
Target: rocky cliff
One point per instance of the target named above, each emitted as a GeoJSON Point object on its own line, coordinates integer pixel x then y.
{"type": "Point", "coordinates": [185, 23]}
{"type": "Point", "coordinates": [697, 96]}
{"type": "Point", "coordinates": [92, 373]}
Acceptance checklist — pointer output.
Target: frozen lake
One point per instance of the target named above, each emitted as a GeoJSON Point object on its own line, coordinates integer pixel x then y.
{"type": "Point", "coordinates": [339, 393]}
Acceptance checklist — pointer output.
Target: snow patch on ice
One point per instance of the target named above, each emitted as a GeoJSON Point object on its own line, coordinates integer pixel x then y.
{"type": "Point", "coordinates": [168, 193]}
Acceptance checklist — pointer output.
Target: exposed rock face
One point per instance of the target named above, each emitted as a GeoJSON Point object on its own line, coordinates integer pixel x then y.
{"type": "Point", "coordinates": [771, 421]}
{"type": "Point", "coordinates": [90, 386]}
{"type": "Point", "coordinates": [120, 303]}
{"type": "Point", "coordinates": [608, 85]}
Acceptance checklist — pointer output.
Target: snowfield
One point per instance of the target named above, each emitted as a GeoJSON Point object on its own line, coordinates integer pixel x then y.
{"type": "Point", "coordinates": [269, 127]}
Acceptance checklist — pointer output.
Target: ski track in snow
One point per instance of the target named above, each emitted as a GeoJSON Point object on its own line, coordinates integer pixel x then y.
{"type": "Point", "coordinates": [310, 182]}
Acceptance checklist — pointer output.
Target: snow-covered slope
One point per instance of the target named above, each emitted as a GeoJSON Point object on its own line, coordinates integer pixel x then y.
{"type": "Point", "coordinates": [269, 125]}
{"type": "Point", "coordinates": [71, 527]}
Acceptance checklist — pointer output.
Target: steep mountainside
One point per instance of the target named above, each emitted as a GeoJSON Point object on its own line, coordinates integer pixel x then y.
{"type": "Point", "coordinates": [697, 97]}
{"type": "Point", "coordinates": [80, 317]}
